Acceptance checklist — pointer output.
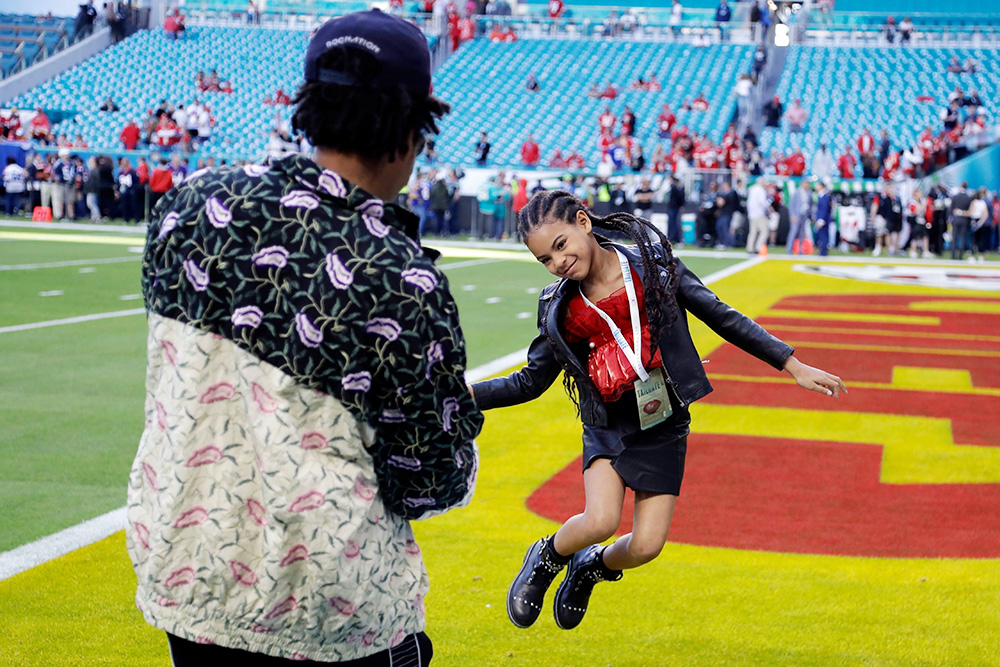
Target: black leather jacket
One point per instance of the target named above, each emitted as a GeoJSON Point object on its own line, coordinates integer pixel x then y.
{"type": "Point", "coordinates": [681, 361]}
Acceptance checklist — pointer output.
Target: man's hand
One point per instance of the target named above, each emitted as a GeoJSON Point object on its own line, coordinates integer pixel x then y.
{"type": "Point", "coordinates": [814, 379]}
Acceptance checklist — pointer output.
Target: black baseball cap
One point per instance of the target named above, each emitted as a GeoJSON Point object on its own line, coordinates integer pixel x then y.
{"type": "Point", "coordinates": [399, 48]}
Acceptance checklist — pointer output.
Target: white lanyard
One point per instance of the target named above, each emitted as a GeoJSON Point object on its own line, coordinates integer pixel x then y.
{"type": "Point", "coordinates": [634, 356]}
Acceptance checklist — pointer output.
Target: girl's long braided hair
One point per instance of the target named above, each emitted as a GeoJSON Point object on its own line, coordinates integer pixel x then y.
{"type": "Point", "coordinates": [660, 297]}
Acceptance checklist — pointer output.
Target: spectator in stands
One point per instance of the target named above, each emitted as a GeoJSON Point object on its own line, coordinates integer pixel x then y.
{"type": "Point", "coordinates": [575, 161]}
{"type": "Point", "coordinates": [466, 29]}
{"type": "Point", "coordinates": [973, 103]}
{"type": "Point", "coordinates": [606, 121]}
{"type": "Point", "coordinates": [870, 166]}
{"type": "Point", "coordinates": [797, 116]}
{"type": "Point", "coordinates": [109, 105]}
{"type": "Point", "coordinates": [800, 212]}
{"type": "Point", "coordinates": [532, 85]}
{"type": "Point", "coordinates": [14, 182]}
{"type": "Point", "coordinates": [10, 125]}
{"type": "Point", "coordinates": [628, 122]}
{"type": "Point", "coordinates": [796, 163]}
{"type": "Point", "coordinates": [884, 146]}
{"type": "Point", "coordinates": [823, 164]}
{"type": "Point", "coordinates": [115, 23]}
{"type": "Point", "coordinates": [675, 201]}
{"type": "Point", "coordinates": [530, 152]}
{"type": "Point", "coordinates": [743, 89]}
{"type": "Point", "coordinates": [498, 8]}
{"type": "Point", "coordinates": [866, 143]}
{"type": "Point", "coordinates": [665, 121]}
{"type": "Point", "coordinates": [676, 17]}
{"type": "Point", "coordinates": [482, 149]}
{"type": "Point", "coordinates": [773, 111]}
{"type": "Point", "coordinates": [722, 16]}
{"type": "Point", "coordinates": [85, 17]}
{"type": "Point", "coordinates": [556, 9]}
{"type": "Point", "coordinates": [889, 30]}
{"type": "Point", "coordinates": [755, 18]}
{"type": "Point", "coordinates": [557, 161]}
{"type": "Point", "coordinates": [252, 13]}
{"type": "Point", "coordinates": [905, 30]}
{"type": "Point", "coordinates": [40, 127]}
{"type": "Point", "coordinates": [759, 62]}
{"type": "Point", "coordinates": [700, 103]}
{"type": "Point", "coordinates": [129, 136]}
{"type": "Point", "coordinates": [178, 169]}
{"type": "Point", "coordinates": [951, 115]}
{"type": "Point", "coordinates": [127, 191]}
{"type": "Point", "coordinates": [824, 216]}
{"type": "Point", "coordinates": [955, 66]}
{"type": "Point", "coordinates": [971, 66]}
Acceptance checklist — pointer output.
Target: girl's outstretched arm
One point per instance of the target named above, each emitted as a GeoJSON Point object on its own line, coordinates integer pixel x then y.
{"type": "Point", "coordinates": [814, 379]}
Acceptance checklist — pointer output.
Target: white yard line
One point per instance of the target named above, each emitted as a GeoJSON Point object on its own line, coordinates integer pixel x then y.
{"type": "Point", "coordinates": [54, 546]}
{"type": "Point", "coordinates": [72, 320]}
{"type": "Point", "coordinates": [71, 262]}
{"type": "Point", "coordinates": [471, 262]}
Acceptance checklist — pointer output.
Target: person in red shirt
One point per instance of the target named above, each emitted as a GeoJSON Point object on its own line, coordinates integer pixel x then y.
{"type": "Point", "coordinates": [558, 161]}
{"type": "Point", "coordinates": [665, 121]}
{"type": "Point", "coordinates": [866, 143]}
{"type": "Point", "coordinates": [161, 180]}
{"type": "Point", "coordinates": [466, 30]}
{"type": "Point", "coordinates": [556, 9]}
{"type": "Point", "coordinates": [529, 152]}
{"type": "Point", "coordinates": [700, 103]}
{"type": "Point", "coordinates": [796, 163]}
{"type": "Point", "coordinates": [496, 33]}
{"type": "Point", "coordinates": [628, 122]}
{"type": "Point", "coordinates": [40, 125]}
{"type": "Point", "coordinates": [846, 163]}
{"type": "Point", "coordinates": [610, 92]}
{"type": "Point", "coordinates": [781, 167]}
{"type": "Point", "coordinates": [575, 161]}
{"type": "Point", "coordinates": [890, 167]}
{"type": "Point", "coordinates": [509, 35]}
{"type": "Point", "coordinates": [605, 142]}
{"type": "Point", "coordinates": [453, 31]}
{"type": "Point", "coordinates": [653, 84]}
{"type": "Point", "coordinates": [10, 127]}
{"type": "Point", "coordinates": [607, 120]}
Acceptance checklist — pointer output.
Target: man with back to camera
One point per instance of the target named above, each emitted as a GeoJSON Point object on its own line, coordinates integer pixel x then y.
{"type": "Point", "coordinates": [305, 390]}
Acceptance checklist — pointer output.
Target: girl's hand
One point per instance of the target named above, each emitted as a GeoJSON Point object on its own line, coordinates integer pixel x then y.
{"type": "Point", "coordinates": [814, 379]}
{"type": "Point", "coordinates": [471, 393]}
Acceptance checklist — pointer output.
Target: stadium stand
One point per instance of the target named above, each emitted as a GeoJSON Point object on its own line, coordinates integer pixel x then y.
{"type": "Point", "coordinates": [26, 39]}
{"type": "Point", "coordinates": [561, 116]}
{"type": "Point", "coordinates": [899, 89]}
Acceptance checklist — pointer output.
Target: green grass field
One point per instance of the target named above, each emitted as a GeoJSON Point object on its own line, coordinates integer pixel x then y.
{"type": "Point", "coordinates": [71, 407]}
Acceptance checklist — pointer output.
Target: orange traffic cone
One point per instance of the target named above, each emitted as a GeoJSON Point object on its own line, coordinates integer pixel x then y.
{"type": "Point", "coordinates": [41, 214]}
{"type": "Point", "coordinates": [763, 251]}
{"type": "Point", "coordinates": [807, 247]}
{"type": "Point", "coordinates": [795, 247]}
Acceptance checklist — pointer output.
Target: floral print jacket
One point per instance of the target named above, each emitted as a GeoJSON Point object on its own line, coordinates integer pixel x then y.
{"type": "Point", "coordinates": [305, 398]}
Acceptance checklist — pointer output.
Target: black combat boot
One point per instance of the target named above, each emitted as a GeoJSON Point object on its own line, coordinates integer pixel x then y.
{"type": "Point", "coordinates": [541, 565]}
{"type": "Point", "coordinates": [586, 569]}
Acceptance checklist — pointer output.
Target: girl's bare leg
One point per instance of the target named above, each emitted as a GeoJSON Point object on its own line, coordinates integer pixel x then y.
{"type": "Point", "coordinates": [650, 525]}
{"type": "Point", "coordinates": [605, 492]}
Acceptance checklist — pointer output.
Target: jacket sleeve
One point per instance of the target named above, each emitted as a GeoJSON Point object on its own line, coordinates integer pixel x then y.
{"type": "Point", "coordinates": [731, 324]}
{"type": "Point", "coordinates": [422, 419]}
{"type": "Point", "coordinates": [529, 382]}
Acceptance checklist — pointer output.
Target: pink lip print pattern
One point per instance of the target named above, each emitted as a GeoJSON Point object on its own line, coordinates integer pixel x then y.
{"type": "Point", "coordinates": [308, 501]}
{"type": "Point", "coordinates": [180, 577]}
{"type": "Point", "coordinates": [142, 532]}
{"type": "Point", "coordinates": [363, 491]}
{"type": "Point", "coordinates": [170, 350]}
{"type": "Point", "coordinates": [256, 511]}
{"type": "Point", "coordinates": [161, 416]}
{"type": "Point", "coordinates": [295, 554]}
{"type": "Point", "coordinates": [264, 400]}
{"type": "Point", "coordinates": [313, 440]}
{"type": "Point", "coordinates": [204, 456]}
{"type": "Point", "coordinates": [287, 605]}
{"type": "Point", "coordinates": [150, 473]}
{"type": "Point", "coordinates": [351, 550]}
{"type": "Point", "coordinates": [192, 517]}
{"type": "Point", "coordinates": [221, 391]}
{"type": "Point", "coordinates": [242, 573]}
{"type": "Point", "coordinates": [345, 607]}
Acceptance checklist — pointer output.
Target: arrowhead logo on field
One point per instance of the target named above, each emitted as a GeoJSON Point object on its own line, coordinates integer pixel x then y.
{"type": "Point", "coordinates": [906, 465]}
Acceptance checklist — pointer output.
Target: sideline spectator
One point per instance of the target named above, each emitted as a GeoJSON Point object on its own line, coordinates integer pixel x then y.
{"type": "Point", "coordinates": [314, 436]}
{"type": "Point", "coordinates": [824, 216]}
{"type": "Point", "coordinates": [958, 213]}
{"type": "Point", "coordinates": [675, 201]}
{"type": "Point", "coordinates": [757, 214]}
{"type": "Point", "coordinates": [799, 211]}
{"type": "Point", "coordinates": [14, 180]}
{"type": "Point", "coordinates": [160, 182]}
{"type": "Point", "coordinates": [64, 178]}
{"type": "Point", "coordinates": [127, 192]}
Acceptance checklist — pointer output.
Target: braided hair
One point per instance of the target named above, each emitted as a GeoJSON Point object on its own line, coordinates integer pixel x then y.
{"type": "Point", "coordinates": [660, 297]}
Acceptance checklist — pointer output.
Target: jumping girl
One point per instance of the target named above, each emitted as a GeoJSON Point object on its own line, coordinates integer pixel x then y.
{"type": "Point", "coordinates": [633, 399]}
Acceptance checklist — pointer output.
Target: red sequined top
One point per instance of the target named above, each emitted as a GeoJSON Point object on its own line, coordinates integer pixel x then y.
{"type": "Point", "coordinates": [607, 365]}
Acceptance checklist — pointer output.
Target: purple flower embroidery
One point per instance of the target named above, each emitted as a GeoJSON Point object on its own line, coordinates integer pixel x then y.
{"type": "Point", "coordinates": [218, 214]}
{"type": "Point", "coordinates": [392, 416]}
{"type": "Point", "coordinates": [340, 275]}
{"type": "Point", "coordinates": [375, 226]}
{"type": "Point", "coordinates": [247, 316]}
{"type": "Point", "coordinates": [411, 501]}
{"type": "Point", "coordinates": [373, 207]}
{"type": "Point", "coordinates": [168, 225]}
{"type": "Point", "coordinates": [274, 255]}
{"type": "Point", "coordinates": [450, 408]}
{"type": "Point", "coordinates": [300, 199]}
{"type": "Point", "coordinates": [405, 462]}
{"type": "Point", "coordinates": [332, 183]}
{"type": "Point", "coordinates": [309, 334]}
{"type": "Point", "coordinates": [255, 170]}
{"type": "Point", "coordinates": [357, 381]}
{"type": "Point", "coordinates": [197, 277]}
{"type": "Point", "coordinates": [386, 327]}
{"type": "Point", "coordinates": [421, 279]}
{"type": "Point", "coordinates": [435, 355]}
{"type": "Point", "coordinates": [197, 174]}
